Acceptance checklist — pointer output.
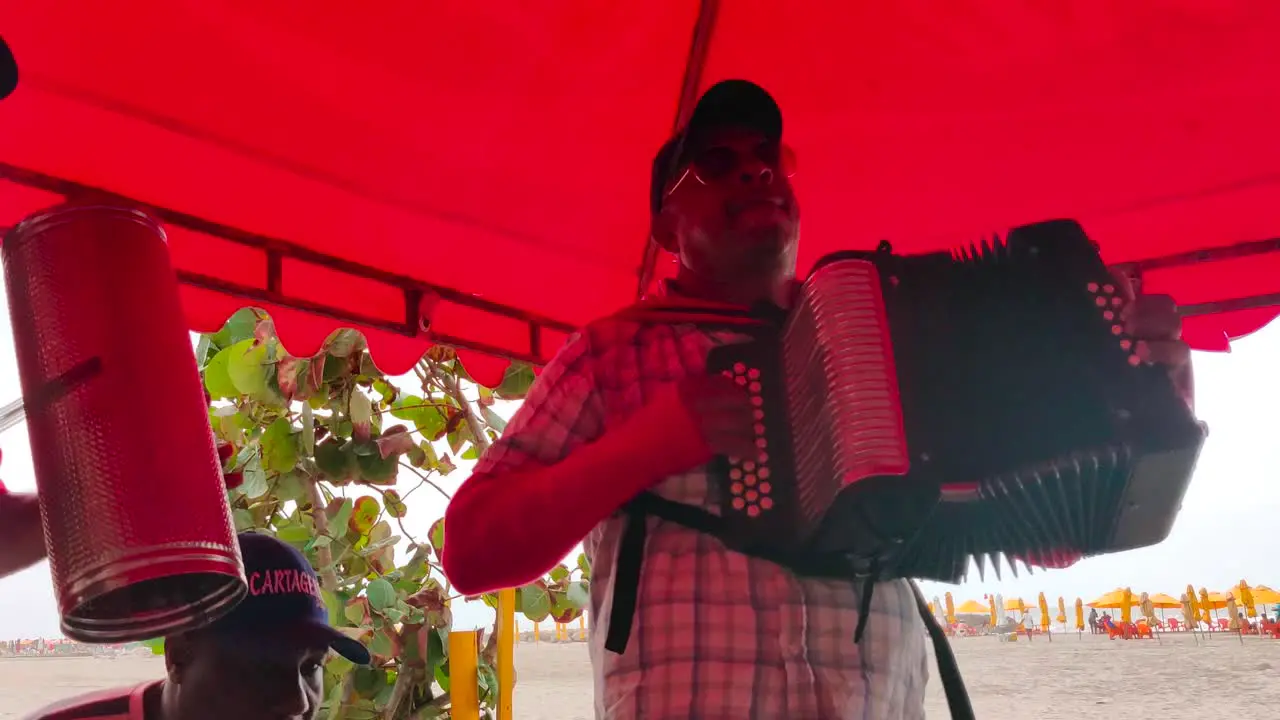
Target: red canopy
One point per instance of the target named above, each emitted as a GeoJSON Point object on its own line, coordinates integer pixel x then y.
{"type": "Point", "coordinates": [337, 163]}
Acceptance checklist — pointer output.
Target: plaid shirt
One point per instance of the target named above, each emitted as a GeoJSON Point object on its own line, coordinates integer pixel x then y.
{"type": "Point", "coordinates": [717, 635]}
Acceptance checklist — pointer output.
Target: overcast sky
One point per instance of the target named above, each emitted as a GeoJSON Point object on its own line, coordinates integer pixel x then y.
{"type": "Point", "coordinates": [1226, 530]}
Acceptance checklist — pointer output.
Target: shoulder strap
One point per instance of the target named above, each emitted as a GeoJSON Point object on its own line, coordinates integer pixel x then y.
{"type": "Point", "coordinates": [626, 572]}
{"type": "Point", "coordinates": [948, 669]}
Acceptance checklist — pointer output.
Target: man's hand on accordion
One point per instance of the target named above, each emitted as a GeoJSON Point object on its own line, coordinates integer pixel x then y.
{"type": "Point", "coordinates": [1153, 321]}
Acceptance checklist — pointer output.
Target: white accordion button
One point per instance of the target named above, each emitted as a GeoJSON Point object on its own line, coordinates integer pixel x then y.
{"type": "Point", "coordinates": [765, 488]}
{"type": "Point", "coordinates": [1092, 287]}
{"type": "Point", "coordinates": [764, 471]}
{"type": "Point", "coordinates": [766, 503]}
{"type": "Point", "coordinates": [739, 503]}
{"type": "Point", "coordinates": [753, 373]}
{"type": "Point", "coordinates": [753, 510]}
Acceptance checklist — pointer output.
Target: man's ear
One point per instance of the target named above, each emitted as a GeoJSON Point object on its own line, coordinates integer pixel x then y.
{"type": "Point", "coordinates": [662, 228]}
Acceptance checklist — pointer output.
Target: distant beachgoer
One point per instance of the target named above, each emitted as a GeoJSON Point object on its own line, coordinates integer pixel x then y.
{"type": "Point", "coordinates": [1094, 627]}
{"type": "Point", "coordinates": [263, 661]}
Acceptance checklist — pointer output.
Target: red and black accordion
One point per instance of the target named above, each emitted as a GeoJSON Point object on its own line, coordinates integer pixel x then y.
{"type": "Point", "coordinates": [922, 412]}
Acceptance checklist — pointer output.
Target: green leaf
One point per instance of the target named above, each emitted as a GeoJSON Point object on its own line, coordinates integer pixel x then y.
{"type": "Point", "coordinates": [337, 464]}
{"type": "Point", "coordinates": [435, 648]}
{"type": "Point", "coordinates": [340, 516]}
{"type": "Point", "coordinates": [578, 594]}
{"type": "Point", "coordinates": [559, 573]}
{"type": "Point", "coordinates": [247, 367]}
{"type": "Point", "coordinates": [584, 564]}
{"type": "Point", "coordinates": [243, 519]}
{"type": "Point", "coordinates": [308, 430]}
{"type": "Point", "coordinates": [294, 534]}
{"type": "Point", "coordinates": [365, 514]}
{"type": "Point", "coordinates": [335, 604]}
{"type": "Point", "coordinates": [155, 645]}
{"type": "Point", "coordinates": [344, 342]}
{"type": "Point", "coordinates": [436, 536]}
{"type": "Point", "coordinates": [381, 644]}
{"type": "Point", "coordinates": [204, 350]}
{"type": "Point", "coordinates": [381, 594]}
{"type": "Point", "coordinates": [493, 419]}
{"type": "Point", "coordinates": [291, 486]}
{"type": "Point", "coordinates": [216, 379]}
{"type": "Point", "coordinates": [457, 440]}
{"type": "Point", "coordinates": [239, 327]}
{"type": "Point", "coordinates": [534, 601]}
{"type": "Point", "coordinates": [255, 479]}
{"type": "Point", "coordinates": [279, 447]}
{"type": "Point", "coordinates": [470, 454]}
{"type": "Point", "coordinates": [354, 613]}
{"type": "Point", "coordinates": [394, 505]}
{"type": "Point", "coordinates": [515, 383]}
{"type": "Point", "coordinates": [360, 410]}
{"type": "Point", "coordinates": [378, 470]}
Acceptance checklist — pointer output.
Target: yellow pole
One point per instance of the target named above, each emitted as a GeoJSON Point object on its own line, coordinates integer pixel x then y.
{"type": "Point", "coordinates": [464, 678]}
{"type": "Point", "coordinates": [535, 632]}
{"type": "Point", "coordinates": [506, 651]}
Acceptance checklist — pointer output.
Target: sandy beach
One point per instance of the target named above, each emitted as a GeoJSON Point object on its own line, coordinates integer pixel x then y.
{"type": "Point", "coordinates": [1070, 677]}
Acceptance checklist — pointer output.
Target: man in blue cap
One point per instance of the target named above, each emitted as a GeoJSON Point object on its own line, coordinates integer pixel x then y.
{"type": "Point", "coordinates": [263, 661]}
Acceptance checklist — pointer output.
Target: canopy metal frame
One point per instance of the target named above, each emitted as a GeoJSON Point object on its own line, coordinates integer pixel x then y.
{"type": "Point", "coordinates": [419, 294]}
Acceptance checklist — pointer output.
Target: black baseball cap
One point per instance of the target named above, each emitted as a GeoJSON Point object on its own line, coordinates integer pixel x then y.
{"type": "Point", "coordinates": [736, 103]}
{"type": "Point", "coordinates": [284, 595]}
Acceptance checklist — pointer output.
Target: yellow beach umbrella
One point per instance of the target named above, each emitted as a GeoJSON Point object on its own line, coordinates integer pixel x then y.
{"type": "Point", "coordinates": [1044, 612]}
{"type": "Point", "coordinates": [1062, 611]}
{"type": "Point", "coordinates": [1113, 600]}
{"type": "Point", "coordinates": [1126, 606]}
{"type": "Point", "coordinates": [1206, 606]}
{"type": "Point", "coordinates": [1195, 602]}
{"type": "Point", "coordinates": [1190, 614]}
{"type": "Point", "coordinates": [1148, 608]}
{"type": "Point", "coordinates": [1244, 594]}
{"type": "Point", "coordinates": [972, 607]}
{"type": "Point", "coordinates": [1217, 601]}
{"type": "Point", "coordinates": [1165, 602]}
{"type": "Point", "coordinates": [1233, 614]}
{"type": "Point", "coordinates": [1079, 614]}
{"type": "Point", "coordinates": [1263, 595]}
{"type": "Point", "coordinates": [1015, 605]}
{"type": "Point", "coordinates": [951, 609]}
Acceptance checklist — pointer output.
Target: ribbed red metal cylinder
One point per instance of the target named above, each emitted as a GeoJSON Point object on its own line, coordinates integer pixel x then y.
{"type": "Point", "coordinates": [140, 538]}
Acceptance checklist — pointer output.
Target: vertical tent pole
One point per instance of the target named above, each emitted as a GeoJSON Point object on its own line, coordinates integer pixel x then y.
{"type": "Point", "coordinates": [506, 651]}
{"type": "Point", "coordinates": [464, 675]}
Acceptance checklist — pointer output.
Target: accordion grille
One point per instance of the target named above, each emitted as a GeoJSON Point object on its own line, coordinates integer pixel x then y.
{"type": "Point", "coordinates": [842, 386]}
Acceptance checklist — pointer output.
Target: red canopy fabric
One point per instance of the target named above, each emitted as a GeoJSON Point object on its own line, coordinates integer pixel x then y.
{"type": "Point", "coordinates": [502, 149]}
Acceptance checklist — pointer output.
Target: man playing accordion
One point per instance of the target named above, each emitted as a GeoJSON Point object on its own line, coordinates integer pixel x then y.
{"type": "Point", "coordinates": [627, 407]}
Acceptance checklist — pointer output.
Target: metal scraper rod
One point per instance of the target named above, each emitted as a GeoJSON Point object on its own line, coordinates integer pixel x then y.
{"type": "Point", "coordinates": [15, 412]}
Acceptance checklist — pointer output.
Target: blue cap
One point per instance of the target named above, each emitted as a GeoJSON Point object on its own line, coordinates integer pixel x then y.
{"type": "Point", "coordinates": [284, 593]}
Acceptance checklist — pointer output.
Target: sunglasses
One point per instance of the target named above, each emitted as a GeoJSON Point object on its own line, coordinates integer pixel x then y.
{"type": "Point", "coordinates": [718, 162]}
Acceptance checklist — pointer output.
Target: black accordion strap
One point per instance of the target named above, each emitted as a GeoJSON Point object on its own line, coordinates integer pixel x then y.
{"type": "Point", "coordinates": [626, 573]}
{"type": "Point", "coordinates": [948, 669]}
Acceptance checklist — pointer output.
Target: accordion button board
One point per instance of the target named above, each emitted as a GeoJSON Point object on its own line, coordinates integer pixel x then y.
{"type": "Point", "coordinates": [926, 412]}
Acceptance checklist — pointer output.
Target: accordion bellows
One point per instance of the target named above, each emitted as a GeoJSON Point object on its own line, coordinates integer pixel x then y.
{"type": "Point", "coordinates": [928, 411]}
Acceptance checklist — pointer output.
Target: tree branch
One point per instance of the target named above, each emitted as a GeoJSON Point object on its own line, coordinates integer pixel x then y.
{"type": "Point", "coordinates": [454, 388]}
{"type": "Point", "coordinates": [324, 556]}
